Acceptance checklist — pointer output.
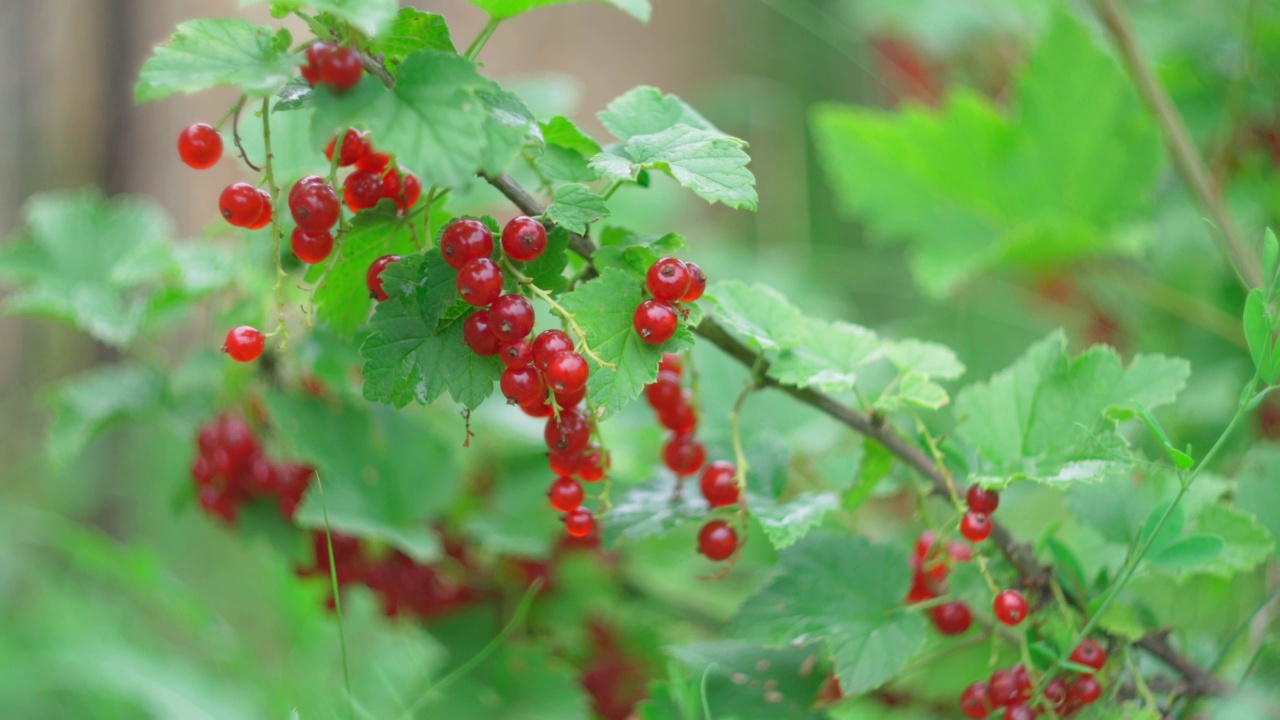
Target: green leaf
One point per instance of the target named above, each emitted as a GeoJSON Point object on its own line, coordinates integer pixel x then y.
{"type": "Point", "coordinates": [1045, 417]}
{"type": "Point", "coordinates": [1167, 534]}
{"type": "Point", "coordinates": [547, 272]}
{"type": "Point", "coordinates": [1258, 332]}
{"type": "Point", "coordinates": [614, 167]}
{"type": "Point", "coordinates": [335, 111]}
{"type": "Point", "coordinates": [916, 389]}
{"type": "Point", "coordinates": [567, 152]}
{"type": "Point", "coordinates": [749, 681]}
{"type": "Point", "coordinates": [371, 462]}
{"type": "Point", "coordinates": [94, 263]}
{"type": "Point", "coordinates": [411, 31]}
{"type": "Point", "coordinates": [342, 301]}
{"type": "Point", "coordinates": [1247, 544]}
{"type": "Point", "coordinates": [847, 593]}
{"type": "Point", "coordinates": [651, 510]}
{"type": "Point", "coordinates": [925, 358]}
{"type": "Point", "coordinates": [1188, 552]}
{"type": "Point", "coordinates": [1256, 487]}
{"type": "Point", "coordinates": [787, 522]}
{"type": "Point", "coordinates": [711, 164]}
{"type": "Point", "coordinates": [371, 17]}
{"type": "Point", "coordinates": [416, 351]}
{"type": "Point", "coordinates": [521, 682]}
{"type": "Point", "coordinates": [1270, 260]}
{"type": "Point", "coordinates": [758, 313]}
{"type": "Point", "coordinates": [1176, 456]}
{"type": "Point", "coordinates": [575, 207]}
{"type": "Point", "coordinates": [207, 53]}
{"type": "Point", "coordinates": [644, 110]}
{"type": "Point", "coordinates": [604, 308]}
{"type": "Point", "coordinates": [85, 404]}
{"type": "Point", "coordinates": [827, 356]}
{"type": "Point", "coordinates": [504, 9]}
{"type": "Point", "coordinates": [971, 190]}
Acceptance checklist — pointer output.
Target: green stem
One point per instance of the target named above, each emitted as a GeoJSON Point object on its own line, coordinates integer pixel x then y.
{"type": "Point", "coordinates": [276, 233]}
{"type": "Point", "coordinates": [559, 309]}
{"type": "Point", "coordinates": [613, 188]}
{"type": "Point", "coordinates": [337, 596]}
{"type": "Point", "coordinates": [473, 50]}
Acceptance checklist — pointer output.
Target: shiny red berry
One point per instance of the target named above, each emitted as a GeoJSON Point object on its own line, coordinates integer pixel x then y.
{"type": "Point", "coordinates": [975, 701]}
{"type": "Point", "coordinates": [244, 343]}
{"type": "Point", "coordinates": [663, 393]}
{"type": "Point", "coordinates": [362, 190]}
{"type": "Point", "coordinates": [311, 248]}
{"type": "Point", "coordinates": [352, 148]}
{"type": "Point", "coordinates": [240, 204]}
{"type": "Point", "coordinates": [975, 526]}
{"type": "Point", "coordinates": [655, 321]}
{"type": "Point", "coordinates": [671, 362]}
{"type": "Point", "coordinates": [717, 540]}
{"type": "Point", "coordinates": [465, 240]}
{"type": "Point", "coordinates": [314, 205]}
{"type": "Point", "coordinates": [697, 283]}
{"type": "Point", "coordinates": [524, 239]}
{"type": "Point", "coordinates": [1004, 689]}
{"type": "Point", "coordinates": [952, 618]}
{"type": "Point", "coordinates": [510, 317]}
{"type": "Point", "coordinates": [684, 454]}
{"type": "Point", "coordinates": [1010, 607]}
{"type": "Point", "coordinates": [579, 523]}
{"type": "Point", "coordinates": [513, 355]}
{"type": "Point", "coordinates": [568, 400]}
{"type": "Point", "coordinates": [667, 279]}
{"type": "Point", "coordinates": [593, 467]}
{"type": "Point", "coordinates": [569, 434]}
{"type": "Point", "coordinates": [565, 464]}
{"type": "Point", "coordinates": [522, 386]}
{"type": "Point", "coordinates": [475, 333]}
{"type": "Point", "coordinates": [567, 372]}
{"type": "Point", "coordinates": [1085, 690]}
{"type": "Point", "coordinates": [548, 344]}
{"type": "Point", "coordinates": [681, 417]}
{"type": "Point", "coordinates": [371, 159]}
{"type": "Point", "coordinates": [1055, 693]}
{"type": "Point", "coordinates": [565, 494]}
{"type": "Point", "coordinates": [983, 501]}
{"type": "Point", "coordinates": [1089, 654]}
{"type": "Point", "coordinates": [200, 146]}
{"type": "Point", "coordinates": [1019, 712]}
{"type": "Point", "coordinates": [340, 67]}
{"type": "Point", "coordinates": [538, 409]}
{"type": "Point", "coordinates": [264, 217]}
{"type": "Point", "coordinates": [373, 278]}
{"type": "Point", "coordinates": [480, 283]}
{"type": "Point", "coordinates": [404, 189]}
{"type": "Point", "coordinates": [719, 486]}
{"type": "Point", "coordinates": [316, 53]}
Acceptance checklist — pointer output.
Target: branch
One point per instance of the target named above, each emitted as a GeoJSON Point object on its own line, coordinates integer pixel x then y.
{"type": "Point", "coordinates": [1200, 682]}
{"type": "Point", "coordinates": [1186, 158]}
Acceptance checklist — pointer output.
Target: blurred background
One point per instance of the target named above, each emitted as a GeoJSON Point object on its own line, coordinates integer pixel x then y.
{"type": "Point", "coordinates": [96, 568]}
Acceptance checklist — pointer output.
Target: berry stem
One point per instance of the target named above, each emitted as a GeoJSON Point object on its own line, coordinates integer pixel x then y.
{"type": "Point", "coordinates": [235, 136]}
{"type": "Point", "coordinates": [276, 233]}
{"type": "Point", "coordinates": [558, 309]}
{"type": "Point", "coordinates": [337, 596]}
{"type": "Point", "coordinates": [739, 453]}
{"type": "Point", "coordinates": [473, 50]}
{"type": "Point", "coordinates": [1139, 683]}
{"type": "Point", "coordinates": [613, 188]}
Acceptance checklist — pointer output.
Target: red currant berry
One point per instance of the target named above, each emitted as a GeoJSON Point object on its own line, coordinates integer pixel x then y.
{"type": "Point", "coordinates": [922, 588]}
{"type": "Point", "coordinates": [679, 418]}
{"type": "Point", "coordinates": [1019, 712]}
{"type": "Point", "coordinates": [975, 526]}
{"type": "Point", "coordinates": [568, 400]}
{"type": "Point", "coordinates": [240, 204]}
{"type": "Point", "coordinates": [524, 239]}
{"type": "Point", "coordinates": [1085, 690]}
{"type": "Point", "coordinates": [655, 321]}
{"type": "Point", "coordinates": [1089, 654]}
{"type": "Point", "coordinates": [671, 362]}
{"type": "Point", "coordinates": [475, 333]}
{"type": "Point", "coordinates": [311, 248]}
{"type": "Point", "coordinates": [565, 464]}
{"type": "Point", "coordinates": [959, 552]}
{"type": "Point", "coordinates": [667, 279]}
{"type": "Point", "coordinates": [244, 344]}
{"type": "Point", "coordinates": [352, 148]}
{"type": "Point", "coordinates": [924, 544]}
{"type": "Point", "coordinates": [1021, 681]}
{"type": "Point", "coordinates": [465, 240]}
{"type": "Point", "coordinates": [314, 205]}
{"type": "Point", "coordinates": [579, 523]}
{"type": "Point", "coordinates": [1055, 693]}
{"type": "Point", "coordinates": [684, 454]}
{"type": "Point", "coordinates": [404, 189]}
{"type": "Point", "coordinates": [200, 146]}
{"type": "Point", "coordinates": [371, 159]}
{"type": "Point", "coordinates": [975, 701]}
{"type": "Point", "coordinates": [719, 486]}
{"type": "Point", "coordinates": [567, 372]}
{"type": "Point", "coordinates": [697, 283]}
{"type": "Point", "coordinates": [547, 345]}
{"type": "Point", "coordinates": [570, 434]}
{"type": "Point", "coordinates": [522, 386]}
{"type": "Point", "coordinates": [510, 317]}
{"type": "Point", "coordinates": [316, 53]}
{"type": "Point", "coordinates": [983, 501]}
{"type": "Point", "coordinates": [222, 504]}
{"type": "Point", "coordinates": [717, 540]}
{"type": "Point", "coordinates": [1010, 607]}
{"type": "Point", "coordinates": [594, 466]}
{"type": "Point", "coordinates": [264, 217]}
{"type": "Point", "coordinates": [539, 409]}
{"type": "Point", "coordinates": [373, 278]}
{"type": "Point", "coordinates": [513, 355]}
{"type": "Point", "coordinates": [362, 190]}
{"type": "Point", "coordinates": [480, 283]}
{"type": "Point", "coordinates": [664, 393]}
{"type": "Point", "coordinates": [1003, 688]}
{"type": "Point", "coordinates": [340, 67]}
{"type": "Point", "coordinates": [952, 618]}
{"type": "Point", "coordinates": [565, 494]}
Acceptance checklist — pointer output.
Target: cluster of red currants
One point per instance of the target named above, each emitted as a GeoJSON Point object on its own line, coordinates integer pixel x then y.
{"type": "Point", "coordinates": [975, 526]}
{"type": "Point", "coordinates": [930, 565]}
{"type": "Point", "coordinates": [373, 179]}
{"type": "Point", "coordinates": [232, 469]}
{"type": "Point", "coordinates": [333, 65]}
{"type": "Point", "coordinates": [1012, 690]}
{"type": "Point", "coordinates": [684, 454]}
{"type": "Point", "coordinates": [669, 281]}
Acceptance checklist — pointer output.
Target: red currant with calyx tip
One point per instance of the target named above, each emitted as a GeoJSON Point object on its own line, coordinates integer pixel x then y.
{"type": "Point", "coordinates": [952, 618]}
{"type": "Point", "coordinates": [362, 190]}
{"type": "Point", "coordinates": [569, 434]}
{"type": "Point", "coordinates": [565, 494]}
{"type": "Point", "coordinates": [475, 333]}
{"type": "Point", "coordinates": [313, 204]}
{"type": "Point", "coordinates": [465, 240]}
{"type": "Point", "coordinates": [340, 67]}
{"type": "Point", "coordinates": [403, 189]}
{"type": "Point", "coordinates": [667, 279]}
{"type": "Point", "coordinates": [983, 501]}
{"type": "Point", "coordinates": [244, 343]}
{"type": "Point", "coordinates": [200, 146]}
{"type": "Point", "coordinates": [579, 522]}
{"type": "Point", "coordinates": [480, 283]}
{"type": "Point", "coordinates": [522, 386]}
{"type": "Point", "coordinates": [510, 318]}
{"type": "Point", "coordinates": [240, 204]}
{"type": "Point", "coordinates": [655, 321]}
{"type": "Point", "coordinates": [719, 486]}
{"type": "Point", "coordinates": [717, 540]}
{"type": "Point", "coordinates": [1089, 654]}
{"type": "Point", "coordinates": [697, 283]}
{"type": "Point", "coordinates": [373, 278]}
{"type": "Point", "coordinates": [683, 454]}
{"type": "Point", "coordinates": [567, 372]}
{"type": "Point", "coordinates": [975, 526]}
{"type": "Point", "coordinates": [524, 239]}
{"type": "Point", "coordinates": [548, 344]}
{"type": "Point", "coordinates": [264, 217]}
{"type": "Point", "coordinates": [1010, 607]}
{"type": "Point", "coordinates": [975, 701]}
{"type": "Point", "coordinates": [1085, 690]}
{"type": "Point", "coordinates": [513, 355]}
{"type": "Point", "coordinates": [311, 248]}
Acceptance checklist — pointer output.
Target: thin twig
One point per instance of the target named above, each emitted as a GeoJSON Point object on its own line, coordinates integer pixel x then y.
{"type": "Point", "coordinates": [235, 135]}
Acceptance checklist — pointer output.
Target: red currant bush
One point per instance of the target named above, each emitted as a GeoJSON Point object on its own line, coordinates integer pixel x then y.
{"type": "Point", "coordinates": [200, 146]}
